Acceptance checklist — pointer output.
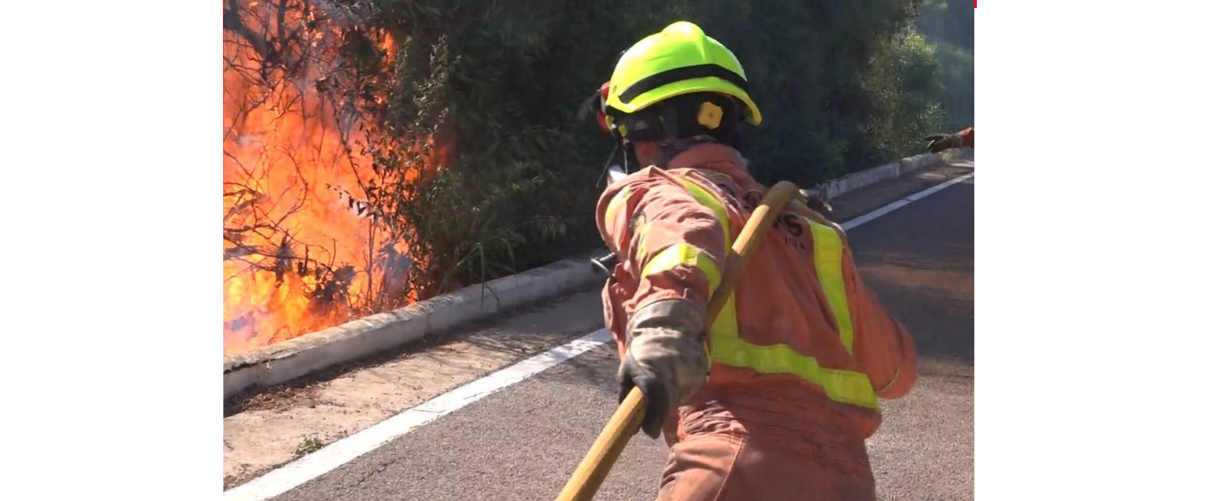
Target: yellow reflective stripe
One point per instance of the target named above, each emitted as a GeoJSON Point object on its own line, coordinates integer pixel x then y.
{"type": "Point", "coordinates": [724, 333]}
{"type": "Point", "coordinates": [843, 386]}
{"type": "Point", "coordinates": [638, 241]}
{"type": "Point", "coordinates": [688, 255]}
{"type": "Point", "coordinates": [725, 325]}
{"type": "Point", "coordinates": [725, 345]}
{"type": "Point", "coordinates": [705, 197]}
{"type": "Point", "coordinates": [617, 203]}
{"type": "Point", "coordinates": [828, 253]}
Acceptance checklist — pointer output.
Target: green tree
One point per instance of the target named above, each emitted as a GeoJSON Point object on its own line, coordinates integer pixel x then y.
{"type": "Point", "coordinates": [905, 77]}
{"type": "Point", "coordinates": [843, 85]}
{"type": "Point", "coordinates": [951, 28]}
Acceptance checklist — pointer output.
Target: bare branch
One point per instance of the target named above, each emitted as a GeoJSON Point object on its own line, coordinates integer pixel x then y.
{"type": "Point", "coordinates": [233, 22]}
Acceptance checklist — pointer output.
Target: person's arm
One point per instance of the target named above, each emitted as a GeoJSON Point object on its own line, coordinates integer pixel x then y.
{"type": "Point", "coordinates": [967, 137]}
{"type": "Point", "coordinates": [666, 238]}
{"type": "Point", "coordinates": [964, 138]}
{"type": "Point", "coordinates": [675, 247]}
{"type": "Point", "coordinates": [882, 344]}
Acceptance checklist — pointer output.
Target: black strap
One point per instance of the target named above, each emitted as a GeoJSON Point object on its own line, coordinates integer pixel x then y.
{"type": "Point", "coordinates": [679, 74]}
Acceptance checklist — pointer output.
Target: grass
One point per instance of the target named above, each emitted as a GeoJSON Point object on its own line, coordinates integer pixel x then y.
{"type": "Point", "coordinates": [308, 445]}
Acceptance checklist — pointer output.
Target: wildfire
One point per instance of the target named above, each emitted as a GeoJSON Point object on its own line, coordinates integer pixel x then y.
{"type": "Point", "coordinates": [302, 251]}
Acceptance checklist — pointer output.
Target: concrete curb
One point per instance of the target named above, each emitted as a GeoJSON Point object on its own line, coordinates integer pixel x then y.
{"type": "Point", "coordinates": [297, 357]}
{"type": "Point", "coordinates": [862, 179]}
{"type": "Point", "coordinates": [291, 359]}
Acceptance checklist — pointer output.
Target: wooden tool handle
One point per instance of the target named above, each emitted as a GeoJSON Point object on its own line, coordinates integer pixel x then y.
{"type": "Point", "coordinates": [625, 422]}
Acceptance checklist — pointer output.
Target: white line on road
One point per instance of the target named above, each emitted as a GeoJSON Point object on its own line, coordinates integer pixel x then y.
{"type": "Point", "coordinates": [328, 458]}
{"type": "Point", "coordinates": [896, 205]}
{"type": "Point", "coordinates": [289, 476]}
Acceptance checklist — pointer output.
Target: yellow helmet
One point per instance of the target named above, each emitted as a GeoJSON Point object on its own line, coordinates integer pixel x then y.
{"type": "Point", "coordinates": [681, 59]}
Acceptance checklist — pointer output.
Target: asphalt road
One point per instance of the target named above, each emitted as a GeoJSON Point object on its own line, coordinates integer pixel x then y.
{"type": "Point", "coordinates": [523, 442]}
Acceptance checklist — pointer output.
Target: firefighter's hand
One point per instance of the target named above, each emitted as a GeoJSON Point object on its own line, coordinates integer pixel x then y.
{"type": "Point", "coordinates": [942, 142]}
{"type": "Point", "coordinates": [669, 366]}
{"type": "Point", "coordinates": [665, 359]}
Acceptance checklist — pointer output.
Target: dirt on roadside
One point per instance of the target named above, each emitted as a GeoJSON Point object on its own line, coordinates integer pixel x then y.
{"type": "Point", "coordinates": [265, 428]}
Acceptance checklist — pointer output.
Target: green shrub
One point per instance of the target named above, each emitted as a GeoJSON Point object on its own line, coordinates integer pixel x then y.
{"type": "Point", "coordinates": [842, 85]}
{"type": "Point", "coordinates": [951, 28]}
{"type": "Point", "coordinates": [904, 77]}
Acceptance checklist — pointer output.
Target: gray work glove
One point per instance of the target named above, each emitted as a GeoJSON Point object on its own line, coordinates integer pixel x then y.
{"type": "Point", "coordinates": [665, 358]}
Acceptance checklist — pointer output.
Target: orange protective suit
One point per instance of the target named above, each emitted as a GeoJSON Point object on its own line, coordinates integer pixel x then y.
{"type": "Point", "coordinates": [798, 359]}
{"type": "Point", "coordinates": [967, 137]}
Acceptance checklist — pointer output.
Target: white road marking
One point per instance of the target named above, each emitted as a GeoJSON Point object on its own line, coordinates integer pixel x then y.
{"type": "Point", "coordinates": [328, 458]}
{"type": "Point", "coordinates": [896, 205]}
{"type": "Point", "coordinates": [300, 471]}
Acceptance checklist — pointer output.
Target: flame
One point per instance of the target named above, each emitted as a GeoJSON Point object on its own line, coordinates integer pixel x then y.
{"type": "Point", "coordinates": [300, 255]}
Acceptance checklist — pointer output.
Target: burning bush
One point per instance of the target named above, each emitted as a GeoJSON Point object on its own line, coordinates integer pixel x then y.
{"type": "Point", "coordinates": [338, 111]}
{"type": "Point", "coordinates": [332, 126]}
{"type": "Point", "coordinates": [303, 247]}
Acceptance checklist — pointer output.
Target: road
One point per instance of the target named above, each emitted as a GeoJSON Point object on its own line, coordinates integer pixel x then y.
{"type": "Point", "coordinates": [523, 442]}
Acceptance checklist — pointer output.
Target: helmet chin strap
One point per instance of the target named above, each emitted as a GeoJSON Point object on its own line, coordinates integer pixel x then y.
{"type": "Point", "coordinates": [629, 157]}
{"type": "Point", "coordinates": [624, 149]}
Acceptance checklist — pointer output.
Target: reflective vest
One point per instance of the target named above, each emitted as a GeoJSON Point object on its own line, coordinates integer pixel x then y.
{"type": "Point", "coordinates": [725, 345]}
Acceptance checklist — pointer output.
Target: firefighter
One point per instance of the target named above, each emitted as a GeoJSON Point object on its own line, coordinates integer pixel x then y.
{"type": "Point", "coordinates": [776, 399]}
